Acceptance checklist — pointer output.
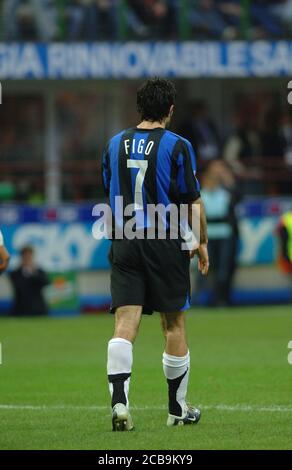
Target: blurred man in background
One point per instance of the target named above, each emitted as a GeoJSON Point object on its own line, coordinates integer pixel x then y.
{"type": "Point", "coordinates": [244, 143]}
{"type": "Point", "coordinates": [28, 282]}
{"type": "Point", "coordinates": [283, 11]}
{"type": "Point", "coordinates": [150, 18]}
{"type": "Point", "coordinates": [202, 132]}
{"type": "Point", "coordinates": [215, 18]}
{"type": "Point", "coordinates": [4, 255]}
{"type": "Point", "coordinates": [91, 19]}
{"type": "Point", "coordinates": [220, 197]}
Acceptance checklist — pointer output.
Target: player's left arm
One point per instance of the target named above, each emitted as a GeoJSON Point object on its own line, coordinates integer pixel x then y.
{"type": "Point", "coordinates": [191, 194]}
{"type": "Point", "coordinates": [202, 250]}
{"type": "Point", "coordinates": [4, 255]}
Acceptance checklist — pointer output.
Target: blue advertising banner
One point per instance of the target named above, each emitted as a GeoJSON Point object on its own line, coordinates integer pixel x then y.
{"type": "Point", "coordinates": [71, 247]}
{"type": "Point", "coordinates": [258, 242]}
{"type": "Point", "coordinates": [59, 246]}
{"type": "Point", "coordinates": [63, 237]}
{"type": "Point", "coordinates": [131, 60]}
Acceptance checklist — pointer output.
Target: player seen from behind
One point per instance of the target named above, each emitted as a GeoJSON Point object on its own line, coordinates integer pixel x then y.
{"type": "Point", "coordinates": [149, 165]}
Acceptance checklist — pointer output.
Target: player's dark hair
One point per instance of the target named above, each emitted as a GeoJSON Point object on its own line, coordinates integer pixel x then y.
{"type": "Point", "coordinates": [154, 99]}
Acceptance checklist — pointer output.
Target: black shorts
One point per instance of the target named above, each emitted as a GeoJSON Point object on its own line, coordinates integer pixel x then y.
{"type": "Point", "coordinates": [151, 273]}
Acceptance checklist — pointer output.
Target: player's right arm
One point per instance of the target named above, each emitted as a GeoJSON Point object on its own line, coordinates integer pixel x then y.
{"type": "Point", "coordinates": [4, 255]}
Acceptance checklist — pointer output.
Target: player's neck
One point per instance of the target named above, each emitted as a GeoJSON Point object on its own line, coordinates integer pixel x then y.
{"type": "Point", "coordinates": [151, 125]}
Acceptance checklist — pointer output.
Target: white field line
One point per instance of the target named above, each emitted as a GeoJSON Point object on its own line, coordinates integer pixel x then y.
{"type": "Point", "coordinates": [217, 407]}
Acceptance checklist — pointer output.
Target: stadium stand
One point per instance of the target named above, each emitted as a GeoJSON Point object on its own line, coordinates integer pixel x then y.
{"type": "Point", "coordinates": [91, 20]}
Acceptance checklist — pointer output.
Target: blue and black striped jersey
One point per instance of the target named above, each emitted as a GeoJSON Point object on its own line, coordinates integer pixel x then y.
{"type": "Point", "coordinates": [149, 167]}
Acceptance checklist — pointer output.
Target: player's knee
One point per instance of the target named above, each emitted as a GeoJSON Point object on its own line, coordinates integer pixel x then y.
{"type": "Point", "coordinates": [176, 332]}
{"type": "Point", "coordinates": [173, 323]}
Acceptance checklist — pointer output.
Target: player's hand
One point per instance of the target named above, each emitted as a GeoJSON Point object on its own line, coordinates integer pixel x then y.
{"type": "Point", "coordinates": [203, 261]}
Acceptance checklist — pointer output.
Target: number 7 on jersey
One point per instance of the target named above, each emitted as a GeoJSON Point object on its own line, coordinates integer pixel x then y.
{"type": "Point", "coordinates": [142, 167]}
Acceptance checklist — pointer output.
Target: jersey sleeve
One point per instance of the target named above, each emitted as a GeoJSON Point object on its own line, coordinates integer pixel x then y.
{"type": "Point", "coordinates": [1, 239]}
{"type": "Point", "coordinates": [106, 171]}
{"type": "Point", "coordinates": [188, 185]}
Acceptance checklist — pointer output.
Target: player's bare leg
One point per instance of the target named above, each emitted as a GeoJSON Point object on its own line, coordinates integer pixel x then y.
{"type": "Point", "coordinates": [176, 366]}
{"type": "Point", "coordinates": [127, 322]}
{"type": "Point", "coordinates": [173, 327]}
{"type": "Point", "coordinates": [119, 364]}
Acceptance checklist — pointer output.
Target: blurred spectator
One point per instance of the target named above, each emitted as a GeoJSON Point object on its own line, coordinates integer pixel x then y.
{"type": "Point", "coordinates": [231, 12]}
{"type": "Point", "coordinates": [220, 197]}
{"type": "Point", "coordinates": [242, 148]}
{"type": "Point", "coordinates": [201, 131]}
{"type": "Point", "coordinates": [205, 18]}
{"type": "Point", "coordinates": [283, 11]}
{"type": "Point", "coordinates": [262, 16]}
{"type": "Point", "coordinates": [151, 17]}
{"type": "Point", "coordinates": [215, 18]}
{"type": "Point", "coordinates": [28, 282]}
{"type": "Point", "coordinates": [91, 19]}
{"type": "Point", "coordinates": [29, 20]}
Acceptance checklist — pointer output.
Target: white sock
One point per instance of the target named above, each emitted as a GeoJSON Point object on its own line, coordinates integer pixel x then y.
{"type": "Point", "coordinates": [176, 370]}
{"type": "Point", "coordinates": [119, 367]}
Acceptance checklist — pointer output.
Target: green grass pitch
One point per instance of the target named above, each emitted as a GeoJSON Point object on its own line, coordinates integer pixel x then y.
{"type": "Point", "coordinates": [53, 388]}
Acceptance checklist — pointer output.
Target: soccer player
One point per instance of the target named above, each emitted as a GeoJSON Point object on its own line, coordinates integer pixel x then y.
{"type": "Point", "coordinates": [150, 165]}
{"type": "Point", "coordinates": [4, 255]}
